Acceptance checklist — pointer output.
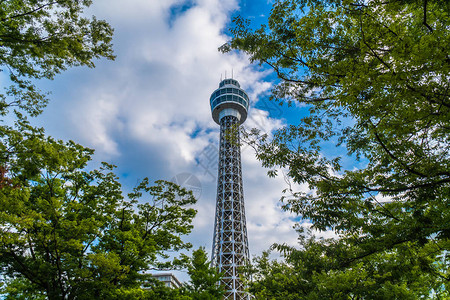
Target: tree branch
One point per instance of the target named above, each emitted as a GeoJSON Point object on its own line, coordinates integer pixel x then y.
{"type": "Point", "coordinates": [29, 12]}
{"type": "Point", "coordinates": [388, 212]}
{"type": "Point", "coordinates": [407, 188]}
{"type": "Point", "coordinates": [425, 2]}
{"type": "Point", "coordinates": [396, 158]}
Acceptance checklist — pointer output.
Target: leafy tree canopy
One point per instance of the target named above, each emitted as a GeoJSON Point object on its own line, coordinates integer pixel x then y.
{"type": "Point", "coordinates": [69, 233]}
{"type": "Point", "coordinates": [375, 78]}
{"type": "Point", "coordinates": [328, 269]}
{"type": "Point", "coordinates": [204, 279]}
{"type": "Point", "coordinates": [40, 38]}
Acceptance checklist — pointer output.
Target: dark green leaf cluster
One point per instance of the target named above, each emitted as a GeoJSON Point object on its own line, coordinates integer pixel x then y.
{"type": "Point", "coordinates": [41, 38]}
{"type": "Point", "coordinates": [321, 270]}
{"type": "Point", "coordinates": [68, 233]}
{"type": "Point", "coordinates": [375, 78]}
{"type": "Point", "coordinates": [204, 283]}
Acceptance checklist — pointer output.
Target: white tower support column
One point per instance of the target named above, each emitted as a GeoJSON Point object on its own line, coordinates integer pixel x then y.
{"type": "Point", "coordinates": [229, 106]}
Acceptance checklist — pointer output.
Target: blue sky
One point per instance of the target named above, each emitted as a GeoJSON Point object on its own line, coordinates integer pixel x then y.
{"type": "Point", "coordinates": [148, 112]}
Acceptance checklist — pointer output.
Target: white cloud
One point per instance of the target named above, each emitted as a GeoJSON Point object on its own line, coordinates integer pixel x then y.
{"type": "Point", "coordinates": [148, 112]}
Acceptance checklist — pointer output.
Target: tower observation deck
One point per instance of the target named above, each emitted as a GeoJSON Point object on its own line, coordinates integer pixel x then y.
{"type": "Point", "coordinates": [229, 105]}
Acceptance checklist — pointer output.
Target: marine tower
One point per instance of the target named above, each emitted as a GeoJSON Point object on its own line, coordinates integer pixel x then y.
{"type": "Point", "coordinates": [229, 105]}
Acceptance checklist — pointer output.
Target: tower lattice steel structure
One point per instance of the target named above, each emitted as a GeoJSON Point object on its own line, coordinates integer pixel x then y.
{"type": "Point", "coordinates": [229, 105]}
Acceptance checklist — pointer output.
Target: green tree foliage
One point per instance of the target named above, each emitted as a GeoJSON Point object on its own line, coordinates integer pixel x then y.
{"type": "Point", "coordinates": [158, 291]}
{"type": "Point", "coordinates": [69, 233]}
{"type": "Point", "coordinates": [40, 38]}
{"type": "Point", "coordinates": [375, 78]}
{"type": "Point", "coordinates": [327, 269]}
{"type": "Point", "coordinates": [204, 283]}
